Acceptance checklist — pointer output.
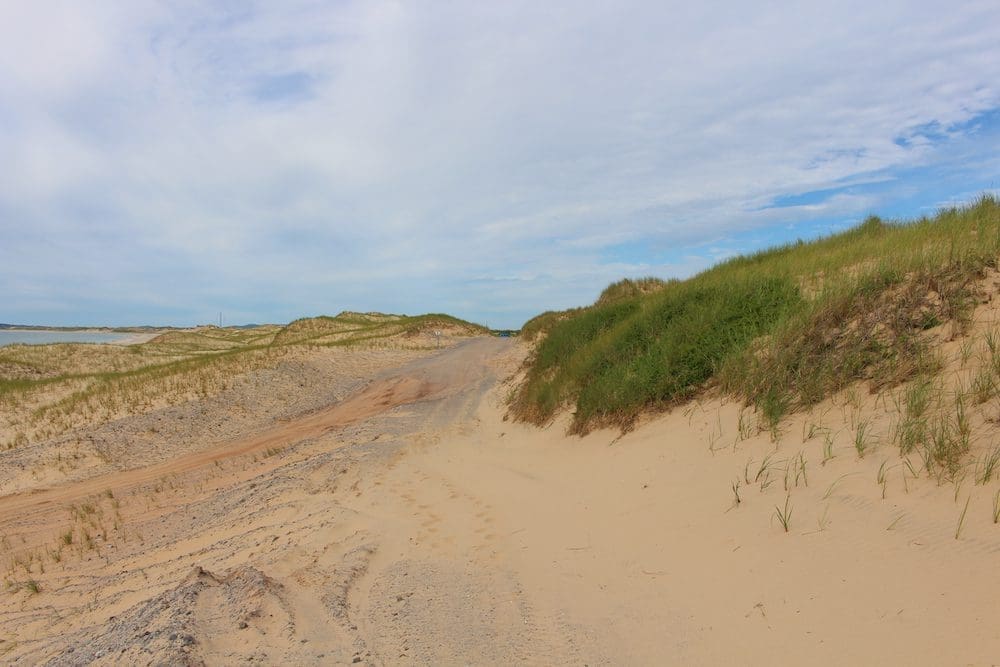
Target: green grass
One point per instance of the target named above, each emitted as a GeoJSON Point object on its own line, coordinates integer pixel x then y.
{"type": "Point", "coordinates": [624, 356]}
{"type": "Point", "coordinates": [784, 515]}
{"type": "Point", "coordinates": [781, 329]}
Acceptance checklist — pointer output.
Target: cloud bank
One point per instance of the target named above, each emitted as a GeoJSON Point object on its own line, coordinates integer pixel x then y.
{"type": "Point", "coordinates": [164, 161]}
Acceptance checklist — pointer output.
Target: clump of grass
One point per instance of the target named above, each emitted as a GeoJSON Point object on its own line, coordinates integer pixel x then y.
{"type": "Point", "coordinates": [863, 438]}
{"type": "Point", "coordinates": [784, 514]}
{"type": "Point", "coordinates": [800, 470]}
{"type": "Point", "coordinates": [881, 478]}
{"type": "Point", "coordinates": [961, 518]}
{"type": "Point", "coordinates": [993, 349]}
{"type": "Point", "coordinates": [984, 386]}
{"type": "Point", "coordinates": [773, 406]}
{"type": "Point", "coordinates": [765, 466]}
{"type": "Point", "coordinates": [912, 430]}
{"type": "Point", "coordinates": [965, 351]}
{"type": "Point", "coordinates": [745, 427]}
{"type": "Point", "coordinates": [989, 466]}
{"type": "Point", "coordinates": [947, 446]}
{"type": "Point", "coordinates": [827, 449]}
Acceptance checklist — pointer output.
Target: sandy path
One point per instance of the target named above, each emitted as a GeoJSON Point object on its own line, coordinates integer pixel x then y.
{"type": "Point", "coordinates": [633, 547]}
{"type": "Point", "coordinates": [412, 524]}
{"type": "Point", "coordinates": [380, 396]}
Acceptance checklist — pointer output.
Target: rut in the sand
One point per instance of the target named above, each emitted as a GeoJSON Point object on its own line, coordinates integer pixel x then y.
{"type": "Point", "coordinates": [443, 375]}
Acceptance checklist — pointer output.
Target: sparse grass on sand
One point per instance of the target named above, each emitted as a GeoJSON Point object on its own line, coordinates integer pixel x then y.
{"type": "Point", "coordinates": [47, 390]}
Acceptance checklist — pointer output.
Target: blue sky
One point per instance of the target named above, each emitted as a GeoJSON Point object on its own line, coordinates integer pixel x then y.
{"type": "Point", "coordinates": [164, 161]}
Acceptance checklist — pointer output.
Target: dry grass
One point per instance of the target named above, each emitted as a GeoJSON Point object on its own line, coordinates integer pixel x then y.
{"type": "Point", "coordinates": [48, 390]}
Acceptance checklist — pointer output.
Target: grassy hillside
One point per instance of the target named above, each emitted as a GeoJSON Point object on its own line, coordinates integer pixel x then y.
{"type": "Point", "coordinates": [781, 329]}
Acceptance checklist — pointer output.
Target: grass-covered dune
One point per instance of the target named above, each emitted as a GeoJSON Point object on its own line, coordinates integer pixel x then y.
{"type": "Point", "coordinates": [780, 329]}
{"type": "Point", "coordinates": [349, 328]}
{"type": "Point", "coordinates": [46, 390]}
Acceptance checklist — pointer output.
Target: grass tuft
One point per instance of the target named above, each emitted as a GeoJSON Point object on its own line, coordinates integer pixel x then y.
{"type": "Point", "coordinates": [863, 438]}
{"type": "Point", "coordinates": [784, 514]}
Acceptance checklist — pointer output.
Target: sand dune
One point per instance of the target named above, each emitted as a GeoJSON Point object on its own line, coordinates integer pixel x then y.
{"type": "Point", "coordinates": [410, 523]}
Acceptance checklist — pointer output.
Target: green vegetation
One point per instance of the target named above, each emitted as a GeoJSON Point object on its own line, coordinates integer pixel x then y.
{"type": "Point", "coordinates": [625, 355]}
{"type": "Point", "coordinates": [628, 288]}
{"type": "Point", "coordinates": [781, 329]}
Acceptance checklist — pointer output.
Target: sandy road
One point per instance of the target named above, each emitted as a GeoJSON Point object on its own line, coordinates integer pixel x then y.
{"type": "Point", "coordinates": [411, 523]}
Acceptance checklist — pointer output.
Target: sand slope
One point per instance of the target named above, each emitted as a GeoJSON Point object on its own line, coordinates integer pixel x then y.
{"type": "Point", "coordinates": [410, 523]}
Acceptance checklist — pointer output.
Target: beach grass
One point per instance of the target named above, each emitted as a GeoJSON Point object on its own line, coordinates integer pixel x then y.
{"type": "Point", "coordinates": [781, 329]}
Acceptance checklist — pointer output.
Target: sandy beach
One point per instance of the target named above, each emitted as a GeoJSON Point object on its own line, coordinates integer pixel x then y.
{"type": "Point", "coordinates": [410, 522]}
{"type": "Point", "coordinates": [77, 335]}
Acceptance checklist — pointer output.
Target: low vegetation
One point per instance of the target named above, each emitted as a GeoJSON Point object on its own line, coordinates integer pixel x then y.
{"type": "Point", "coordinates": [47, 390]}
{"type": "Point", "coordinates": [781, 330]}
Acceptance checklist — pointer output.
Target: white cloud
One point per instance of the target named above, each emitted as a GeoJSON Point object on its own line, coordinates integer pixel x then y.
{"type": "Point", "coordinates": [318, 153]}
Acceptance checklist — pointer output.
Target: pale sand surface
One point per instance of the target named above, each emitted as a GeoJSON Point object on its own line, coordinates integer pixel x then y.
{"type": "Point", "coordinates": [137, 338]}
{"type": "Point", "coordinates": [409, 523]}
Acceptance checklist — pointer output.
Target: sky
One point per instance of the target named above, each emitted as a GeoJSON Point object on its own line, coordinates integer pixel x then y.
{"type": "Point", "coordinates": [162, 162]}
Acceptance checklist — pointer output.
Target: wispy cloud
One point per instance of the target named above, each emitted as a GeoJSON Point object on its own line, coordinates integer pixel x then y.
{"type": "Point", "coordinates": [164, 161]}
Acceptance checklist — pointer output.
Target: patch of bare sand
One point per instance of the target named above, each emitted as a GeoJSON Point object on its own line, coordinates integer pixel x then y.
{"type": "Point", "coordinates": [436, 532]}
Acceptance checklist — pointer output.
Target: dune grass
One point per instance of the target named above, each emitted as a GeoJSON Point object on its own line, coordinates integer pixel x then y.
{"type": "Point", "coordinates": [660, 348]}
{"type": "Point", "coordinates": [781, 329]}
{"type": "Point", "coordinates": [357, 328]}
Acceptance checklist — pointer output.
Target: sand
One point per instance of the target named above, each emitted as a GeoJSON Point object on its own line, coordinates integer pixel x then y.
{"type": "Point", "coordinates": [408, 521]}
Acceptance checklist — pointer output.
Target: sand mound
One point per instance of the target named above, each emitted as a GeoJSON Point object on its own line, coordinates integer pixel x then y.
{"type": "Point", "coordinates": [206, 619]}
